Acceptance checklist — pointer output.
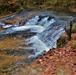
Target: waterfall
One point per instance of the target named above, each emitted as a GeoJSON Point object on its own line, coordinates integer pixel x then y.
{"type": "Point", "coordinates": [32, 21]}
{"type": "Point", "coordinates": [50, 35]}
{"type": "Point", "coordinates": [47, 30]}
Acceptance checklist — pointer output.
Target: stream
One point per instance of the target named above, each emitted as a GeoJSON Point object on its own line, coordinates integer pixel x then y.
{"type": "Point", "coordinates": [39, 33]}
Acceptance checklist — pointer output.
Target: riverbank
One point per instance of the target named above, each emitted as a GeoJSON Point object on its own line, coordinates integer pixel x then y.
{"type": "Point", "coordinates": [6, 15]}
{"type": "Point", "coordinates": [54, 10]}
{"type": "Point", "coordinates": [19, 5]}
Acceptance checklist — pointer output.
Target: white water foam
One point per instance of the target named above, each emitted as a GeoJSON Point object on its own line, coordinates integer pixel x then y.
{"type": "Point", "coordinates": [49, 23]}
{"type": "Point", "coordinates": [32, 21]}
{"type": "Point", "coordinates": [7, 26]}
{"type": "Point", "coordinates": [43, 21]}
{"type": "Point", "coordinates": [33, 28]}
{"type": "Point", "coordinates": [38, 46]}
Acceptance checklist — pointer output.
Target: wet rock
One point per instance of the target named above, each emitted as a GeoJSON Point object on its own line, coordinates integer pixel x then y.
{"type": "Point", "coordinates": [23, 21]}
{"type": "Point", "coordinates": [2, 24]}
{"type": "Point", "coordinates": [13, 21]}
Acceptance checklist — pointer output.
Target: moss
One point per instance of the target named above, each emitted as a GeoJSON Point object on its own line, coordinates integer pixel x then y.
{"type": "Point", "coordinates": [74, 28]}
{"type": "Point", "coordinates": [62, 41]}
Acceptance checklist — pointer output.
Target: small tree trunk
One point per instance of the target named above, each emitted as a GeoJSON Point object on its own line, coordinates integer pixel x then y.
{"type": "Point", "coordinates": [69, 31]}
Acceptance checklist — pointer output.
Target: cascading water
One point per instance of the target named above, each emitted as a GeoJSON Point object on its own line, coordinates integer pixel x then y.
{"type": "Point", "coordinates": [52, 33]}
{"type": "Point", "coordinates": [33, 21]}
{"type": "Point", "coordinates": [47, 39]}
{"type": "Point", "coordinates": [47, 30]}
